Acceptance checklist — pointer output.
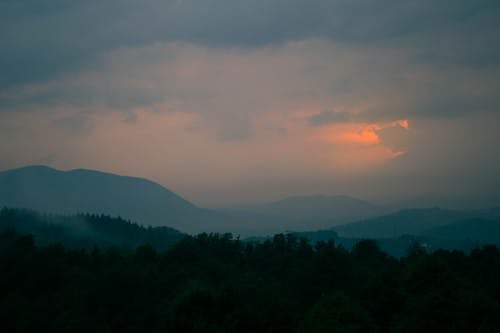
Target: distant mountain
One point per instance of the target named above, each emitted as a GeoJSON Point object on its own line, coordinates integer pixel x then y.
{"type": "Point", "coordinates": [453, 202]}
{"type": "Point", "coordinates": [432, 228]}
{"type": "Point", "coordinates": [417, 222]}
{"type": "Point", "coordinates": [84, 230]}
{"type": "Point", "coordinates": [86, 191]}
{"type": "Point", "coordinates": [310, 212]}
{"type": "Point", "coordinates": [404, 222]}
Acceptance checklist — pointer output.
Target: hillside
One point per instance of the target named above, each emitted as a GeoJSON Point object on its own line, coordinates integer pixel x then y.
{"type": "Point", "coordinates": [309, 212]}
{"type": "Point", "coordinates": [69, 192]}
{"type": "Point", "coordinates": [408, 221]}
{"type": "Point", "coordinates": [85, 230]}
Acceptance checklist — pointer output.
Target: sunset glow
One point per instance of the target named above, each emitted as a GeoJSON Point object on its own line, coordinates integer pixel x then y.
{"type": "Point", "coordinates": [404, 123]}
{"type": "Point", "coordinates": [364, 135]}
{"type": "Point", "coordinates": [238, 104]}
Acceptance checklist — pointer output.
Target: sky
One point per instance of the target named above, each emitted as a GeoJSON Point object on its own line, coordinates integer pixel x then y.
{"type": "Point", "coordinates": [235, 101]}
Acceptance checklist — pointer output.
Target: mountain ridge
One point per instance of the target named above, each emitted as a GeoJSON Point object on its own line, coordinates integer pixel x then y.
{"type": "Point", "coordinates": [82, 190]}
{"type": "Point", "coordinates": [315, 211]}
{"type": "Point", "coordinates": [415, 221]}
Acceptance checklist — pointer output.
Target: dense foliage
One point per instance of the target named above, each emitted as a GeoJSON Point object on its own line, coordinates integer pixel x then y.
{"type": "Point", "coordinates": [215, 283]}
{"type": "Point", "coordinates": [86, 230]}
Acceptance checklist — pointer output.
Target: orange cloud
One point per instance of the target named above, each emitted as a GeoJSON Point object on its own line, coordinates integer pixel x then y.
{"type": "Point", "coordinates": [365, 136]}
{"type": "Point", "coordinates": [362, 143]}
{"type": "Point", "coordinates": [404, 123]}
{"type": "Point", "coordinates": [360, 134]}
{"type": "Point", "coordinates": [397, 153]}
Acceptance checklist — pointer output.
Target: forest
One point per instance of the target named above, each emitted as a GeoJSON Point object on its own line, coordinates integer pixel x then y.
{"type": "Point", "coordinates": [219, 283]}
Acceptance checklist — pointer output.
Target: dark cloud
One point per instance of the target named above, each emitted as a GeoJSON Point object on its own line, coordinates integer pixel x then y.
{"type": "Point", "coordinates": [41, 40]}
{"type": "Point", "coordinates": [447, 157]}
{"type": "Point", "coordinates": [396, 137]}
{"type": "Point", "coordinates": [111, 84]}
{"type": "Point", "coordinates": [447, 100]}
{"type": "Point", "coordinates": [329, 117]}
{"type": "Point", "coordinates": [97, 91]}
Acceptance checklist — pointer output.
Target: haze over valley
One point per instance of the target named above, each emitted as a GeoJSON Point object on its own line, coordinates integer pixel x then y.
{"type": "Point", "coordinates": [51, 191]}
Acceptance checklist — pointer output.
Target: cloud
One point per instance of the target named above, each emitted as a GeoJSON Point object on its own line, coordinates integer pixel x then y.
{"type": "Point", "coordinates": [41, 42]}
{"type": "Point", "coordinates": [273, 96]}
{"type": "Point", "coordinates": [74, 123]}
{"type": "Point", "coordinates": [372, 84]}
{"type": "Point", "coordinates": [396, 136]}
{"type": "Point", "coordinates": [329, 117]}
{"type": "Point", "coordinates": [230, 89]}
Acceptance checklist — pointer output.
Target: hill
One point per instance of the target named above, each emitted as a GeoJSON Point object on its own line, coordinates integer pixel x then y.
{"type": "Point", "coordinates": [85, 230]}
{"type": "Point", "coordinates": [310, 212]}
{"type": "Point", "coordinates": [408, 221]}
{"type": "Point", "coordinates": [69, 192]}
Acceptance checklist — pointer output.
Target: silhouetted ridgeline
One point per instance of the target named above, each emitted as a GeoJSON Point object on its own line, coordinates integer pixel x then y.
{"type": "Point", "coordinates": [89, 230]}
{"type": "Point", "coordinates": [214, 283]}
{"type": "Point", "coordinates": [86, 230]}
{"type": "Point", "coordinates": [69, 192]}
{"type": "Point", "coordinates": [424, 221]}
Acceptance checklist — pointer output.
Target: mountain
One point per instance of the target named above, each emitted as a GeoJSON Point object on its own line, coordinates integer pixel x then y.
{"type": "Point", "coordinates": [408, 221]}
{"type": "Point", "coordinates": [86, 191]}
{"type": "Point", "coordinates": [453, 202]}
{"type": "Point", "coordinates": [431, 228]}
{"type": "Point", "coordinates": [310, 212]}
{"type": "Point", "coordinates": [411, 222]}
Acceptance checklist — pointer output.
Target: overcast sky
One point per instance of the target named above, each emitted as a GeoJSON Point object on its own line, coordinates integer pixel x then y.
{"type": "Point", "coordinates": [233, 101]}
